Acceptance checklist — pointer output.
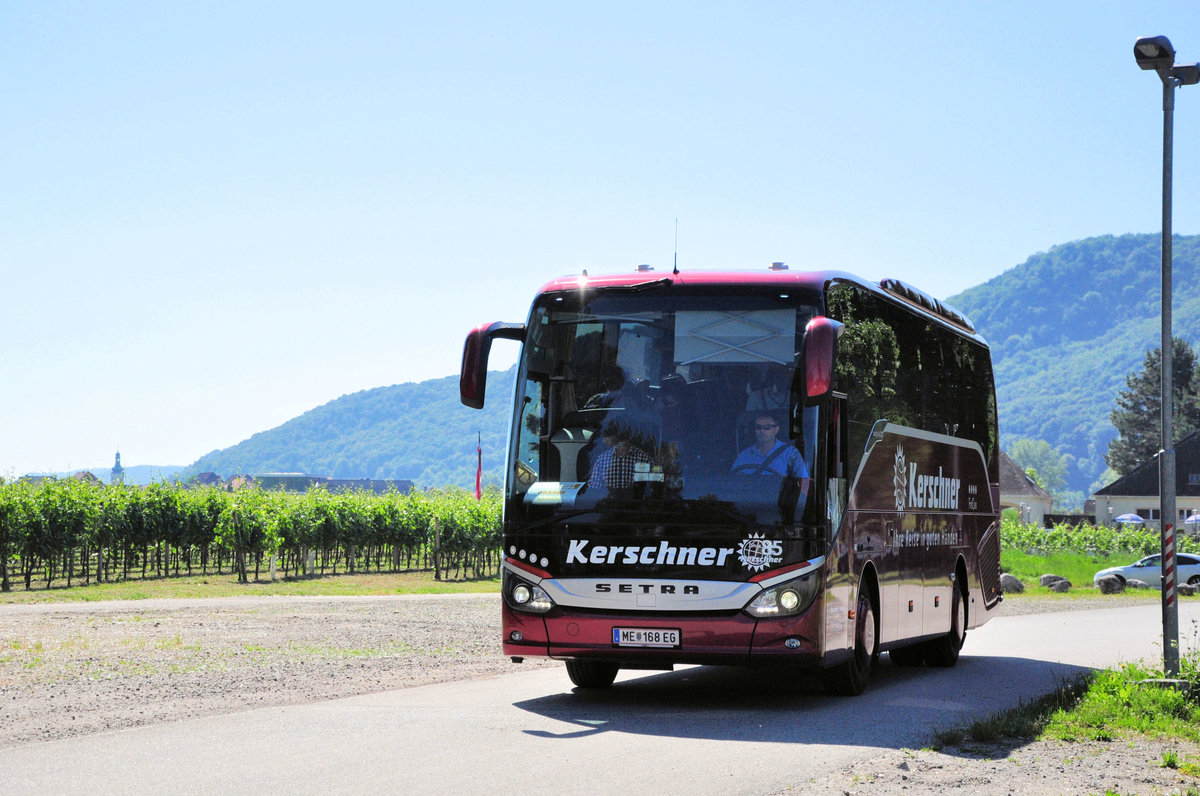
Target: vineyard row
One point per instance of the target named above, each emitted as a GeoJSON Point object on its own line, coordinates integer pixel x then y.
{"type": "Point", "coordinates": [80, 532]}
{"type": "Point", "coordinates": [1093, 540]}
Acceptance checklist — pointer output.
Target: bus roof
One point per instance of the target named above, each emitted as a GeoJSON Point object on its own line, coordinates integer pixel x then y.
{"type": "Point", "coordinates": [782, 278]}
{"type": "Point", "coordinates": [894, 290]}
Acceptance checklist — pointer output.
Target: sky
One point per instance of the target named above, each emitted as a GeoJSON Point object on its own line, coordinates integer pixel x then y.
{"type": "Point", "coordinates": [216, 216]}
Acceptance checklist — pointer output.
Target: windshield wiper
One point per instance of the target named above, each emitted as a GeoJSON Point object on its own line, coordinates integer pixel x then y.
{"type": "Point", "coordinates": [640, 286]}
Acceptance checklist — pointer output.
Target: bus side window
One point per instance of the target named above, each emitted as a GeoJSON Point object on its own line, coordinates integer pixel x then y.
{"type": "Point", "coordinates": [868, 370]}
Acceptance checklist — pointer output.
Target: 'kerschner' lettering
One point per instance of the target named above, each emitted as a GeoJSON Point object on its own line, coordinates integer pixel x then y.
{"type": "Point", "coordinates": [662, 553]}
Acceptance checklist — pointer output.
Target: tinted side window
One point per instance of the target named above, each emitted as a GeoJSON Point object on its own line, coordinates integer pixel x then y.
{"type": "Point", "coordinates": [868, 367]}
{"type": "Point", "coordinates": [901, 367]}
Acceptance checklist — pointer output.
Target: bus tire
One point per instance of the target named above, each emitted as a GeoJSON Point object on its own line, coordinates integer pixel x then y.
{"type": "Point", "coordinates": [850, 678]}
{"type": "Point", "coordinates": [592, 674]}
{"type": "Point", "coordinates": [943, 652]}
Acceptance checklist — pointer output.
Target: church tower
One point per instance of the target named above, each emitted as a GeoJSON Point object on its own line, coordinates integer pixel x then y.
{"type": "Point", "coordinates": [118, 472]}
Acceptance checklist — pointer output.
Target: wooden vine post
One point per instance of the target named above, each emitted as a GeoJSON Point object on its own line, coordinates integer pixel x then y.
{"type": "Point", "coordinates": [437, 549]}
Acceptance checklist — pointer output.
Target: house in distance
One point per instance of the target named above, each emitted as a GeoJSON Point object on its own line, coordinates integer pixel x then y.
{"type": "Point", "coordinates": [1137, 492]}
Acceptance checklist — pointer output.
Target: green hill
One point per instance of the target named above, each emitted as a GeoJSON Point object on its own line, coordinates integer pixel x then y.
{"type": "Point", "coordinates": [1066, 327]}
{"type": "Point", "coordinates": [418, 431]}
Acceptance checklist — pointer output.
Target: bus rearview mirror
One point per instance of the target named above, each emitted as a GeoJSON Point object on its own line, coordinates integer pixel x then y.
{"type": "Point", "coordinates": [472, 379]}
{"type": "Point", "coordinates": [820, 345]}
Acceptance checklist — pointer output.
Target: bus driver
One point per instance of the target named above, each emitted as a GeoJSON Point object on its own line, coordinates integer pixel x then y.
{"type": "Point", "coordinates": [770, 455]}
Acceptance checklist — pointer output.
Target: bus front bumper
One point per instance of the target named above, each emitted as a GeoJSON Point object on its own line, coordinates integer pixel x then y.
{"type": "Point", "coordinates": [703, 639]}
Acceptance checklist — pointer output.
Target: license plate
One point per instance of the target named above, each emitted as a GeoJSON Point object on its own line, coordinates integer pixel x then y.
{"type": "Point", "coordinates": [667, 638]}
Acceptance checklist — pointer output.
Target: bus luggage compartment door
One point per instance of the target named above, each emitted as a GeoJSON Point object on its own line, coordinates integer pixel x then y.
{"type": "Point", "coordinates": [911, 581]}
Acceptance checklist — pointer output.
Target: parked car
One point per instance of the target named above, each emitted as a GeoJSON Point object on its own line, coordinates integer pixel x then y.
{"type": "Point", "coordinates": [1149, 570]}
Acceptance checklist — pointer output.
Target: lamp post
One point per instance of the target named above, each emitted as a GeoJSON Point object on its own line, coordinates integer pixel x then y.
{"type": "Point", "coordinates": [1156, 53]}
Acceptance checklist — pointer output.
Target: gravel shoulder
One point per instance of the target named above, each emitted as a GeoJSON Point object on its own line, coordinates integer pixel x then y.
{"type": "Point", "coordinates": [79, 668]}
{"type": "Point", "coordinates": [70, 669]}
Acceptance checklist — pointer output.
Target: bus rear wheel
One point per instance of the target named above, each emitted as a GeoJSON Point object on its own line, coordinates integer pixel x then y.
{"type": "Point", "coordinates": [592, 674]}
{"type": "Point", "coordinates": [850, 678]}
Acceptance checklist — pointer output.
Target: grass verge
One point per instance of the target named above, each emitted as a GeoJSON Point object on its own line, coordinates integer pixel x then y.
{"type": "Point", "coordinates": [1108, 705]}
{"type": "Point", "coordinates": [196, 586]}
{"type": "Point", "coordinates": [1025, 722]}
{"type": "Point", "coordinates": [1079, 568]}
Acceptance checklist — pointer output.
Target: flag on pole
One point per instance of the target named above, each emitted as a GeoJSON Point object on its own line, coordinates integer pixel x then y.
{"type": "Point", "coordinates": [478, 466]}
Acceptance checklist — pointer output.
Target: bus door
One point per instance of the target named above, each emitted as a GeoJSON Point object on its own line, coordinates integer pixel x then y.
{"type": "Point", "coordinates": [841, 527]}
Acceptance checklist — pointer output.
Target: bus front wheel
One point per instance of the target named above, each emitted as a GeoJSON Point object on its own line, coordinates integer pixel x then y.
{"type": "Point", "coordinates": [592, 674]}
{"type": "Point", "coordinates": [850, 678]}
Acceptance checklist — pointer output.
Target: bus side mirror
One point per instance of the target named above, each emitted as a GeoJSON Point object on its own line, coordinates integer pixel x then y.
{"type": "Point", "coordinates": [472, 379]}
{"type": "Point", "coordinates": [818, 353]}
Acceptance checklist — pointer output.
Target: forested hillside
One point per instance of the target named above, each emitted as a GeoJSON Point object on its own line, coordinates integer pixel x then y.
{"type": "Point", "coordinates": [417, 430]}
{"type": "Point", "coordinates": [1068, 325]}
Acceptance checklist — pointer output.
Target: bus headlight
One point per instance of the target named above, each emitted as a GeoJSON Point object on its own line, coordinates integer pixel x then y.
{"type": "Point", "coordinates": [787, 599]}
{"type": "Point", "coordinates": [525, 596]}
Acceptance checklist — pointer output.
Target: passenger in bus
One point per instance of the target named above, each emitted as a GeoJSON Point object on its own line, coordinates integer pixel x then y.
{"type": "Point", "coordinates": [672, 406]}
{"type": "Point", "coordinates": [769, 454]}
{"type": "Point", "coordinates": [634, 410]}
{"type": "Point", "coordinates": [613, 468]}
{"type": "Point", "coordinates": [774, 394]}
{"type": "Point", "coordinates": [614, 381]}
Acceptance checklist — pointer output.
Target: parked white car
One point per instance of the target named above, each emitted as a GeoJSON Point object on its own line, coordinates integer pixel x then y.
{"type": "Point", "coordinates": [1149, 570]}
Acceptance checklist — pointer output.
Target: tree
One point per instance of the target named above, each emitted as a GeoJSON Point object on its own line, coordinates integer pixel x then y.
{"type": "Point", "coordinates": [1138, 414]}
{"type": "Point", "coordinates": [1043, 461]}
{"type": "Point", "coordinates": [1107, 477]}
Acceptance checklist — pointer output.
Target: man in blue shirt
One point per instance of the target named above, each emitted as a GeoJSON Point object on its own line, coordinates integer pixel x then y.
{"type": "Point", "coordinates": [770, 455]}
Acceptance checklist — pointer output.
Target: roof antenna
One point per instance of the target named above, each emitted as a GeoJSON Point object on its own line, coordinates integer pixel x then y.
{"type": "Point", "coordinates": [675, 270]}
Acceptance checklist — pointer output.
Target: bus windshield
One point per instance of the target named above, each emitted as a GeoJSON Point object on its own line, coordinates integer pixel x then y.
{"type": "Point", "coordinates": [666, 403]}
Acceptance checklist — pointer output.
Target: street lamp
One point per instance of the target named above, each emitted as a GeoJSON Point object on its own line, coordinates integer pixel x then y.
{"type": "Point", "coordinates": [1156, 53]}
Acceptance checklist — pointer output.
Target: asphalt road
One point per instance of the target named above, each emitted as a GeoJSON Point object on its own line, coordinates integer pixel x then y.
{"type": "Point", "coordinates": [699, 730]}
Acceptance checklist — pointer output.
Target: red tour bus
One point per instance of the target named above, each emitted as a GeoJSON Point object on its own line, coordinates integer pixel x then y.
{"type": "Point", "coordinates": [745, 468]}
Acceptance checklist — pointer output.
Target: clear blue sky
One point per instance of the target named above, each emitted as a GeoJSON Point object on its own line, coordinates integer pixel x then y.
{"type": "Point", "coordinates": [216, 216]}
